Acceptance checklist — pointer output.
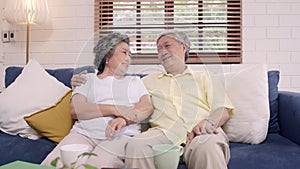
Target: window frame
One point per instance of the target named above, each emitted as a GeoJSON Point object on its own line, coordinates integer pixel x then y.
{"type": "Point", "coordinates": [104, 16]}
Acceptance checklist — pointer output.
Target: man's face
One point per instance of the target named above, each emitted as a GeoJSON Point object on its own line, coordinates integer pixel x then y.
{"type": "Point", "coordinates": [170, 52]}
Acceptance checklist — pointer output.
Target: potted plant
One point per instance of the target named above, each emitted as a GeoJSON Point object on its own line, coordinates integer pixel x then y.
{"type": "Point", "coordinates": [74, 165]}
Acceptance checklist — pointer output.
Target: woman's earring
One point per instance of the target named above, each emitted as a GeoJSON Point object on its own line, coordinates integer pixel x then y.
{"type": "Point", "coordinates": [106, 62]}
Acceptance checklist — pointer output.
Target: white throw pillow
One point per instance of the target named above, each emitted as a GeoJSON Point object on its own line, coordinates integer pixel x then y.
{"type": "Point", "coordinates": [248, 92]}
{"type": "Point", "coordinates": [33, 90]}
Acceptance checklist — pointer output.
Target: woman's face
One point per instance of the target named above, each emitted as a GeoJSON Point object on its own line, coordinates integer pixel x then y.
{"type": "Point", "coordinates": [120, 59]}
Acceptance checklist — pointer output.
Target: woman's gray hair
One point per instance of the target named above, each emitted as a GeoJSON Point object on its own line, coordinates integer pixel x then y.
{"type": "Point", "coordinates": [105, 48]}
{"type": "Point", "coordinates": [180, 37]}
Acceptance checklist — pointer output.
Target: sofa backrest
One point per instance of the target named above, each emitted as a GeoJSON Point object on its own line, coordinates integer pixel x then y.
{"type": "Point", "coordinates": [273, 79]}
{"type": "Point", "coordinates": [64, 75]}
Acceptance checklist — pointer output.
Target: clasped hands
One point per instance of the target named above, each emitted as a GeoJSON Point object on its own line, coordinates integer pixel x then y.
{"type": "Point", "coordinates": [114, 126]}
{"type": "Point", "coordinates": [124, 114]}
{"type": "Point", "coordinates": [123, 117]}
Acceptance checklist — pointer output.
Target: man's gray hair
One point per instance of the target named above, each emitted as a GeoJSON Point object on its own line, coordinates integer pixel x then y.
{"type": "Point", "coordinates": [106, 47]}
{"type": "Point", "coordinates": [180, 37]}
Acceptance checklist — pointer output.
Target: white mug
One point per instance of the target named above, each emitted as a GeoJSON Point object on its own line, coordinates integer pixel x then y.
{"type": "Point", "coordinates": [69, 154]}
{"type": "Point", "coordinates": [166, 156]}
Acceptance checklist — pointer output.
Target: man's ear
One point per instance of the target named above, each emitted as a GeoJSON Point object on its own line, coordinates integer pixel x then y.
{"type": "Point", "coordinates": [185, 48]}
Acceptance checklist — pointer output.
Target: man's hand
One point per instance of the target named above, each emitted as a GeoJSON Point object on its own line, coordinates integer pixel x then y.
{"type": "Point", "coordinates": [114, 126]}
{"type": "Point", "coordinates": [204, 127]}
{"type": "Point", "coordinates": [78, 80]}
{"type": "Point", "coordinates": [209, 126]}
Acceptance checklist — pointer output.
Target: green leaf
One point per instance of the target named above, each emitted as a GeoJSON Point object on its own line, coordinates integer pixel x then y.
{"type": "Point", "coordinates": [54, 162]}
{"type": "Point", "coordinates": [87, 154]}
{"type": "Point", "coordinates": [87, 166]}
{"type": "Point", "coordinates": [73, 164]}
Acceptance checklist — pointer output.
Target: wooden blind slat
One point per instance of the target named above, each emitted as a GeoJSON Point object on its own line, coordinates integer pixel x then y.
{"type": "Point", "coordinates": [214, 27]}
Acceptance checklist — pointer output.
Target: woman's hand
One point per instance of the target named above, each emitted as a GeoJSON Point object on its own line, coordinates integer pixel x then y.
{"type": "Point", "coordinates": [114, 126]}
{"type": "Point", "coordinates": [78, 80]}
{"type": "Point", "coordinates": [127, 112]}
{"type": "Point", "coordinates": [136, 113]}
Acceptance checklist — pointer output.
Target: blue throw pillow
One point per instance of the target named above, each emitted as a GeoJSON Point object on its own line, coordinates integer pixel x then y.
{"type": "Point", "coordinates": [273, 79]}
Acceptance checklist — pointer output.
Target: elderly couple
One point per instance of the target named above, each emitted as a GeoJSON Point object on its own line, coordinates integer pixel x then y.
{"type": "Point", "coordinates": [183, 106]}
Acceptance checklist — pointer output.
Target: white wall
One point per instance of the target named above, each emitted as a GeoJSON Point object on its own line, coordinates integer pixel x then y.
{"type": "Point", "coordinates": [1, 48]}
{"type": "Point", "coordinates": [58, 42]}
{"type": "Point", "coordinates": [271, 35]}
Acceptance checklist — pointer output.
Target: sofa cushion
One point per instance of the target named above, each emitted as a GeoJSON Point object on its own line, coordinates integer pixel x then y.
{"type": "Point", "coordinates": [275, 152]}
{"type": "Point", "coordinates": [273, 79]}
{"type": "Point", "coordinates": [289, 116]}
{"type": "Point", "coordinates": [11, 73]}
{"type": "Point", "coordinates": [54, 122]}
{"type": "Point", "coordinates": [248, 91]}
{"type": "Point", "coordinates": [64, 75]}
{"type": "Point", "coordinates": [32, 91]}
{"type": "Point", "coordinates": [17, 148]}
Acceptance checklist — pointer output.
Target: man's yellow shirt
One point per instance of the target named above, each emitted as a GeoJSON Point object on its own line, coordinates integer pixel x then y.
{"type": "Point", "coordinates": [180, 102]}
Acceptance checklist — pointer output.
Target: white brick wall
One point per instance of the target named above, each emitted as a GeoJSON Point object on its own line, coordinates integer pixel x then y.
{"type": "Point", "coordinates": [271, 35]}
{"type": "Point", "coordinates": [57, 43]}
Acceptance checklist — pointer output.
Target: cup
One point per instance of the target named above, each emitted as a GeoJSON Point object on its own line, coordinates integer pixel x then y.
{"type": "Point", "coordinates": [70, 152]}
{"type": "Point", "coordinates": [166, 156]}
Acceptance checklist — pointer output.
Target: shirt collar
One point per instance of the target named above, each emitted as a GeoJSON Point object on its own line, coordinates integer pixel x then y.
{"type": "Point", "coordinates": [187, 71]}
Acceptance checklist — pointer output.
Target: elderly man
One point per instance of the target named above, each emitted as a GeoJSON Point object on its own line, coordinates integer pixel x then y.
{"type": "Point", "coordinates": [188, 109]}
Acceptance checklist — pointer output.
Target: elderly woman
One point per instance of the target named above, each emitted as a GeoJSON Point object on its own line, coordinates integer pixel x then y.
{"type": "Point", "coordinates": [108, 106]}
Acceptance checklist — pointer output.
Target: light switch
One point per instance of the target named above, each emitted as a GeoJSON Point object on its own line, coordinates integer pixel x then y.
{"type": "Point", "coordinates": [11, 36]}
{"type": "Point", "coordinates": [5, 36]}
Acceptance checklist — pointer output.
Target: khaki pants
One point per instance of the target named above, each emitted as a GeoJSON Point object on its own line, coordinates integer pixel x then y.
{"type": "Point", "coordinates": [110, 152]}
{"type": "Point", "coordinates": [210, 151]}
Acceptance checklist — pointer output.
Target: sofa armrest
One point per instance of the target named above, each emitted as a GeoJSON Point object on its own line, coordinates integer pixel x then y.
{"type": "Point", "coordinates": [289, 115]}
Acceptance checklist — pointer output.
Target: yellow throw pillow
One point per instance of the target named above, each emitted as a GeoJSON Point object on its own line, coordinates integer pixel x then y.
{"type": "Point", "coordinates": [54, 122]}
{"type": "Point", "coordinates": [32, 91]}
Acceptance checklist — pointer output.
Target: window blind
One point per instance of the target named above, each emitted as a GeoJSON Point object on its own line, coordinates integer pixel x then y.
{"type": "Point", "coordinates": [213, 26]}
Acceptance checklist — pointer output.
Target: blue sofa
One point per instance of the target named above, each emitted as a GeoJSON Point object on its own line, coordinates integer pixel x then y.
{"type": "Point", "coordinates": [280, 150]}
